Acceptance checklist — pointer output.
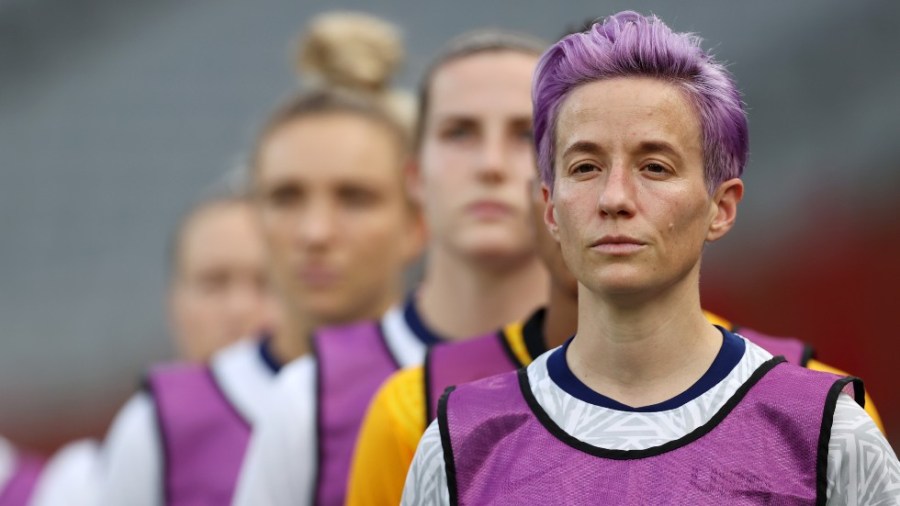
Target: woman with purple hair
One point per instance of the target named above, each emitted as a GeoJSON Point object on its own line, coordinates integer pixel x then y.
{"type": "Point", "coordinates": [642, 138]}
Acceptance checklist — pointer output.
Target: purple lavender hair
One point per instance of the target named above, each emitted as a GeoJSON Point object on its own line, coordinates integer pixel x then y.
{"type": "Point", "coordinates": [629, 44]}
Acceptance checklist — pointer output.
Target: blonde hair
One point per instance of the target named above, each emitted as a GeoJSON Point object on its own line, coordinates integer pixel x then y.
{"type": "Point", "coordinates": [356, 53]}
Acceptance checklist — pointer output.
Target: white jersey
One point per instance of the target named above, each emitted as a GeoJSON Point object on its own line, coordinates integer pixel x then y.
{"type": "Point", "coordinates": [281, 462]}
{"type": "Point", "coordinates": [133, 453]}
{"type": "Point", "coordinates": [852, 479]}
{"type": "Point", "coordinates": [71, 477]}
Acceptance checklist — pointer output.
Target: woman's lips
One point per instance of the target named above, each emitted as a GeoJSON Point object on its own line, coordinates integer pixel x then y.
{"type": "Point", "coordinates": [317, 276]}
{"type": "Point", "coordinates": [489, 209]}
{"type": "Point", "coordinates": [617, 245]}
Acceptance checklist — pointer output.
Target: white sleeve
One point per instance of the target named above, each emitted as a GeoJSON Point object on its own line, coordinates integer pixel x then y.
{"type": "Point", "coordinates": [862, 467]}
{"type": "Point", "coordinates": [70, 477]}
{"type": "Point", "coordinates": [426, 482]}
{"type": "Point", "coordinates": [131, 457]}
{"type": "Point", "coordinates": [280, 466]}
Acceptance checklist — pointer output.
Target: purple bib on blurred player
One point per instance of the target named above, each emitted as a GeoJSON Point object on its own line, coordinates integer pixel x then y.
{"type": "Point", "coordinates": [352, 363]}
{"type": "Point", "coordinates": [794, 350]}
{"type": "Point", "coordinates": [204, 439]}
{"type": "Point", "coordinates": [767, 445]}
{"type": "Point", "coordinates": [20, 485]}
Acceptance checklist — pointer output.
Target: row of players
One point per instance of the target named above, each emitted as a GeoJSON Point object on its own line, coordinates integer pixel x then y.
{"type": "Point", "coordinates": [603, 242]}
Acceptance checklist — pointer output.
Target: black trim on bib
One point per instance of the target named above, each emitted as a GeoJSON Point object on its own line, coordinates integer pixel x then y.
{"type": "Point", "coordinates": [449, 462]}
{"type": "Point", "coordinates": [834, 392]}
{"type": "Point", "coordinates": [507, 348]}
{"type": "Point", "coordinates": [808, 354]}
{"type": "Point", "coordinates": [382, 334]}
{"type": "Point", "coordinates": [694, 435]}
{"type": "Point", "coordinates": [317, 475]}
{"type": "Point", "coordinates": [426, 372]}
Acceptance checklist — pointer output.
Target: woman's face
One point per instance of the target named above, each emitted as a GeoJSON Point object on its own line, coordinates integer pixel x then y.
{"type": "Point", "coordinates": [630, 205]}
{"type": "Point", "coordinates": [477, 155]}
{"type": "Point", "coordinates": [335, 215]}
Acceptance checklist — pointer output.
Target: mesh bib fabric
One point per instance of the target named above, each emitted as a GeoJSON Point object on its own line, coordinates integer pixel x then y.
{"type": "Point", "coordinates": [204, 439]}
{"type": "Point", "coordinates": [462, 362]}
{"type": "Point", "coordinates": [767, 445]}
{"type": "Point", "coordinates": [352, 361]}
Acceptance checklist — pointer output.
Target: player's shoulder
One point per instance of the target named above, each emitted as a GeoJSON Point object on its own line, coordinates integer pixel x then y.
{"type": "Point", "coordinates": [401, 399]}
{"type": "Point", "coordinates": [404, 390]}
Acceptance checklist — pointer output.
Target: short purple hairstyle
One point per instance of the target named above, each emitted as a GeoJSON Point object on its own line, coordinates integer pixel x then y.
{"type": "Point", "coordinates": [629, 44]}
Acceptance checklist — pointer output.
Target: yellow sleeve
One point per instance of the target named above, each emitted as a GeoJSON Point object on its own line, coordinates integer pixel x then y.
{"type": "Point", "coordinates": [387, 441]}
{"type": "Point", "coordinates": [815, 365]}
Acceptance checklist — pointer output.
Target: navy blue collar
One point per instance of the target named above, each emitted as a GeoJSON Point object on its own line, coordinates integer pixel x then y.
{"type": "Point", "coordinates": [728, 357]}
{"type": "Point", "coordinates": [417, 325]}
{"type": "Point", "coordinates": [267, 355]}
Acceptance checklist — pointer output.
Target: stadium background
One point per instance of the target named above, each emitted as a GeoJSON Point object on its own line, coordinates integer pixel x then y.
{"type": "Point", "coordinates": [115, 115]}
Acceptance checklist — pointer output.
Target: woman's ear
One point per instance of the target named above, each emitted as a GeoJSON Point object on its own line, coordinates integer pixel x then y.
{"type": "Point", "coordinates": [723, 208]}
{"type": "Point", "coordinates": [550, 212]}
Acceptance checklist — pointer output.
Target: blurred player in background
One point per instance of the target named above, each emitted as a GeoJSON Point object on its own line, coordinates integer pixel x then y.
{"type": "Point", "coordinates": [218, 287]}
{"type": "Point", "coordinates": [218, 293]}
{"type": "Point", "coordinates": [474, 156]}
{"type": "Point", "coordinates": [642, 138]}
{"type": "Point", "coordinates": [327, 177]}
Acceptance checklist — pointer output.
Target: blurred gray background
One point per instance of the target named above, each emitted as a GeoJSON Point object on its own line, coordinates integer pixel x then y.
{"type": "Point", "coordinates": [115, 115]}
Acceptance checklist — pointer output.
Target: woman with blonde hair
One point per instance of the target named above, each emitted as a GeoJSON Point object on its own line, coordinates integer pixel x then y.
{"type": "Point", "coordinates": [327, 187]}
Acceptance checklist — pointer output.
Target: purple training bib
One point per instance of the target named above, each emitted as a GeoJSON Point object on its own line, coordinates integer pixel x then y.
{"type": "Point", "coordinates": [767, 445]}
{"type": "Point", "coordinates": [353, 361]}
{"type": "Point", "coordinates": [204, 438]}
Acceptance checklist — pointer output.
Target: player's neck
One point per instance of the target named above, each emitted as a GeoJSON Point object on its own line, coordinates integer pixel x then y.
{"type": "Point", "coordinates": [561, 319]}
{"type": "Point", "coordinates": [291, 339]}
{"type": "Point", "coordinates": [642, 354]}
{"type": "Point", "coordinates": [459, 300]}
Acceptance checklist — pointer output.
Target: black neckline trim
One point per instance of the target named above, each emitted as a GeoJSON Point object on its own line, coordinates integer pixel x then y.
{"type": "Point", "coordinates": [825, 431]}
{"type": "Point", "coordinates": [694, 435]}
{"type": "Point", "coordinates": [449, 461]}
{"type": "Point", "coordinates": [730, 352]}
{"type": "Point", "coordinates": [533, 334]}
{"type": "Point", "coordinates": [267, 355]}
{"type": "Point", "coordinates": [415, 323]}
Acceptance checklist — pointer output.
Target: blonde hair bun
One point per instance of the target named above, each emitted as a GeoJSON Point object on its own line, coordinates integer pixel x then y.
{"type": "Point", "coordinates": [351, 50]}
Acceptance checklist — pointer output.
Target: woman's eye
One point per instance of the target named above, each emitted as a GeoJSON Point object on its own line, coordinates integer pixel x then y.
{"type": "Point", "coordinates": [457, 132]}
{"type": "Point", "coordinates": [584, 168]}
{"type": "Point", "coordinates": [656, 168]}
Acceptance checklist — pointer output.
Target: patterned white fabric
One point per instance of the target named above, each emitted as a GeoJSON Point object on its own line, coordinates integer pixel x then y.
{"type": "Point", "coordinates": [862, 468]}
